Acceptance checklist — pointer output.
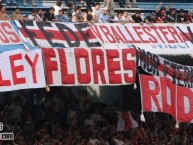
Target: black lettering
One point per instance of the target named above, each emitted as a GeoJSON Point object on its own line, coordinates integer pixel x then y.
{"type": "Point", "coordinates": [48, 35]}
{"type": "Point", "coordinates": [149, 62]}
{"type": "Point", "coordinates": [85, 35]}
{"type": "Point", "coordinates": [63, 27]}
{"type": "Point", "coordinates": [31, 34]}
{"type": "Point", "coordinates": [156, 64]}
{"type": "Point", "coordinates": [166, 62]}
{"type": "Point", "coordinates": [173, 66]}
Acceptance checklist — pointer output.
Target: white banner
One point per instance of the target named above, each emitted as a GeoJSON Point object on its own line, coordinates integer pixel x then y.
{"type": "Point", "coordinates": [174, 39]}
{"type": "Point", "coordinates": [21, 69]}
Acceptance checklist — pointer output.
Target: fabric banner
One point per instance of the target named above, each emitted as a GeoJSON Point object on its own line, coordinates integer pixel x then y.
{"type": "Point", "coordinates": [20, 69]}
{"type": "Point", "coordinates": [8, 35]}
{"type": "Point", "coordinates": [93, 66]}
{"type": "Point", "coordinates": [156, 65]}
{"type": "Point", "coordinates": [63, 35]}
{"type": "Point", "coordinates": [175, 39]}
{"type": "Point", "coordinates": [158, 94]}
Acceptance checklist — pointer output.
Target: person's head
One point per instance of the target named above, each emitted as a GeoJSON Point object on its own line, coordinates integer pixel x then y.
{"type": "Point", "coordinates": [77, 9]}
{"type": "Point", "coordinates": [51, 10]}
{"type": "Point", "coordinates": [89, 11]}
{"type": "Point", "coordinates": [125, 14]}
{"type": "Point", "coordinates": [61, 13]}
{"type": "Point", "coordinates": [59, 3]}
{"type": "Point", "coordinates": [40, 12]}
{"type": "Point", "coordinates": [34, 12]}
{"type": "Point", "coordinates": [70, 5]}
{"type": "Point", "coordinates": [190, 12]}
{"type": "Point", "coordinates": [162, 10]}
{"type": "Point", "coordinates": [138, 13]}
{"type": "Point", "coordinates": [173, 11]}
{"type": "Point", "coordinates": [97, 6]}
{"type": "Point", "coordinates": [2, 8]}
{"type": "Point", "coordinates": [153, 15]}
{"type": "Point", "coordinates": [105, 11]}
{"type": "Point", "coordinates": [119, 14]}
{"type": "Point", "coordinates": [17, 10]}
{"type": "Point", "coordinates": [181, 12]}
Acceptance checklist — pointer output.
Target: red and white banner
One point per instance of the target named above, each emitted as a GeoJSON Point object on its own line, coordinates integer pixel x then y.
{"type": "Point", "coordinates": [125, 121]}
{"type": "Point", "coordinates": [181, 75]}
{"type": "Point", "coordinates": [158, 94]}
{"type": "Point", "coordinates": [82, 66]}
{"type": "Point", "coordinates": [57, 35]}
{"type": "Point", "coordinates": [20, 69]}
{"type": "Point", "coordinates": [8, 35]}
{"type": "Point", "coordinates": [175, 39]}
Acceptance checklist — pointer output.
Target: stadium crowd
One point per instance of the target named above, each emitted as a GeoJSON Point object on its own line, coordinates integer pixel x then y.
{"type": "Point", "coordinates": [40, 118]}
{"type": "Point", "coordinates": [96, 14]}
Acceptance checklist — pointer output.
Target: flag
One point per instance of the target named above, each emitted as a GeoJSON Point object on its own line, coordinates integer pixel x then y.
{"type": "Point", "coordinates": [125, 121]}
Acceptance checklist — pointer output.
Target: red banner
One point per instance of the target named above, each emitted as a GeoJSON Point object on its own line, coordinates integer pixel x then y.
{"type": "Point", "coordinates": [82, 66]}
{"type": "Point", "coordinates": [158, 94]}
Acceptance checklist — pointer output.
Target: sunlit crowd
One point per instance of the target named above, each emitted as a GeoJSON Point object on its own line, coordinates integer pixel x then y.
{"type": "Point", "coordinates": [97, 14]}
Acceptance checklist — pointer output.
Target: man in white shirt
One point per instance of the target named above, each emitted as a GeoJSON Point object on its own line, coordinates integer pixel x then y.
{"type": "Point", "coordinates": [57, 7]}
{"type": "Point", "coordinates": [118, 19]}
{"type": "Point", "coordinates": [125, 18]}
{"type": "Point", "coordinates": [34, 16]}
{"type": "Point", "coordinates": [96, 12]}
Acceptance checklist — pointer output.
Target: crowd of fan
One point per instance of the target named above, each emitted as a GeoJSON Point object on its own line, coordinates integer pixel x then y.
{"type": "Point", "coordinates": [40, 118]}
{"type": "Point", "coordinates": [96, 14]}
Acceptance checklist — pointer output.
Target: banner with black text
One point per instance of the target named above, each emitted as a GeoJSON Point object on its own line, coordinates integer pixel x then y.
{"type": "Point", "coordinates": [57, 35]}
{"type": "Point", "coordinates": [179, 74]}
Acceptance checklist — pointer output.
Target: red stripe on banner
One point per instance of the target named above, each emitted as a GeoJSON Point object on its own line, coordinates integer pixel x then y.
{"type": "Point", "coordinates": [57, 35]}
{"type": "Point", "coordinates": [127, 120]}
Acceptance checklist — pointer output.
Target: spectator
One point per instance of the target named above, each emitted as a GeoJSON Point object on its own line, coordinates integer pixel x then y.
{"type": "Point", "coordinates": [109, 5]}
{"type": "Point", "coordinates": [190, 16]}
{"type": "Point", "coordinates": [104, 18]}
{"type": "Point", "coordinates": [57, 7]}
{"type": "Point", "coordinates": [70, 10]}
{"type": "Point", "coordinates": [125, 18]}
{"type": "Point", "coordinates": [137, 17]}
{"type": "Point", "coordinates": [182, 18]}
{"type": "Point", "coordinates": [34, 16]}
{"type": "Point", "coordinates": [32, 3]}
{"type": "Point", "coordinates": [41, 13]}
{"type": "Point", "coordinates": [171, 17]}
{"type": "Point", "coordinates": [76, 15]}
{"type": "Point", "coordinates": [96, 12]}
{"type": "Point", "coordinates": [16, 15]}
{"type": "Point", "coordinates": [150, 19]}
{"type": "Point", "coordinates": [118, 19]}
{"type": "Point", "coordinates": [49, 15]}
{"type": "Point", "coordinates": [161, 15]}
{"type": "Point", "coordinates": [87, 17]}
{"type": "Point", "coordinates": [61, 17]}
{"type": "Point", "coordinates": [3, 14]}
